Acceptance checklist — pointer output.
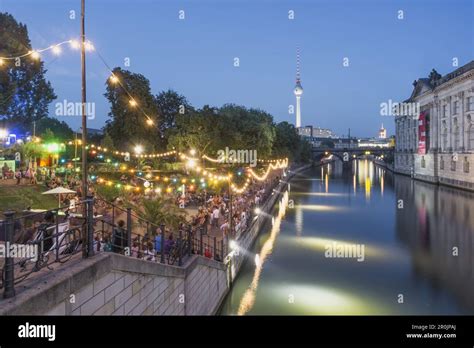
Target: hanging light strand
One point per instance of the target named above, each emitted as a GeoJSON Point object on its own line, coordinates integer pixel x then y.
{"type": "Point", "coordinates": [55, 48]}
{"type": "Point", "coordinates": [133, 103]}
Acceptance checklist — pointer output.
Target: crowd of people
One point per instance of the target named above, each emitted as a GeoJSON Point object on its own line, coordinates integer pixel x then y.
{"type": "Point", "coordinates": [219, 215]}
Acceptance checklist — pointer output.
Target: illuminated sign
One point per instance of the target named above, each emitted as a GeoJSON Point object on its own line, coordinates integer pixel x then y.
{"type": "Point", "coordinates": [422, 134]}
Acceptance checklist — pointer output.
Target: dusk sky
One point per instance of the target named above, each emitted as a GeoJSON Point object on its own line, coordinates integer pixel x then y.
{"type": "Point", "coordinates": [195, 56]}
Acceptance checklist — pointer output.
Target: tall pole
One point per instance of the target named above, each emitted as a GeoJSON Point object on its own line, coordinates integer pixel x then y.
{"type": "Point", "coordinates": [85, 230]}
{"type": "Point", "coordinates": [84, 117]}
{"type": "Point", "coordinates": [75, 154]}
{"type": "Point", "coordinates": [230, 209]}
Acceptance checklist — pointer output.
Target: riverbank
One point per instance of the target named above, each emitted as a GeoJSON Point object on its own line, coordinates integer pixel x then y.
{"type": "Point", "coordinates": [384, 165]}
{"type": "Point", "coordinates": [245, 242]}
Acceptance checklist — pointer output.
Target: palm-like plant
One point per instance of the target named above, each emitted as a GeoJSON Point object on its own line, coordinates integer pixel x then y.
{"type": "Point", "coordinates": [160, 210]}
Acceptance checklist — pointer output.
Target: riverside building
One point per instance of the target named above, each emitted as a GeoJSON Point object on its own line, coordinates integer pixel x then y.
{"type": "Point", "coordinates": [437, 145]}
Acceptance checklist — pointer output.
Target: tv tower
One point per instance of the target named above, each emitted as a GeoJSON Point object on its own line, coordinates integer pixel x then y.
{"type": "Point", "coordinates": [298, 90]}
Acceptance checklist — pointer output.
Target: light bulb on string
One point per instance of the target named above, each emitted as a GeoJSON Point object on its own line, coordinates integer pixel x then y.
{"type": "Point", "coordinates": [74, 44]}
{"type": "Point", "coordinates": [35, 55]}
{"type": "Point", "coordinates": [114, 79]}
{"type": "Point", "coordinates": [56, 50]}
{"type": "Point", "coordinates": [89, 46]}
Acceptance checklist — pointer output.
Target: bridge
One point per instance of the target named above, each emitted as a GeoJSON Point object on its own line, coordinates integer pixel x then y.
{"type": "Point", "coordinates": [345, 154]}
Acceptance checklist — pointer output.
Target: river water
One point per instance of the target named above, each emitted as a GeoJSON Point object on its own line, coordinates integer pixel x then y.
{"type": "Point", "coordinates": [361, 240]}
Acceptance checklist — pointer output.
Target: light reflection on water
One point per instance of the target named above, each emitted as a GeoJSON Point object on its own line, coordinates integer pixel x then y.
{"type": "Point", "coordinates": [408, 251]}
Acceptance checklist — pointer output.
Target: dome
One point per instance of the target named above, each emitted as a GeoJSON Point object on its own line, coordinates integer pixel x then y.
{"type": "Point", "coordinates": [298, 89]}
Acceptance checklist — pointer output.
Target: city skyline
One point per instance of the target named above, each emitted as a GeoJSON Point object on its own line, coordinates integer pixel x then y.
{"type": "Point", "coordinates": [190, 56]}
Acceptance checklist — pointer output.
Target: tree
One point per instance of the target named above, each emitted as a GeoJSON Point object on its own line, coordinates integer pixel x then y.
{"type": "Point", "coordinates": [107, 142]}
{"type": "Point", "coordinates": [247, 129]}
{"type": "Point", "coordinates": [289, 144]}
{"type": "Point", "coordinates": [286, 140]}
{"type": "Point", "coordinates": [24, 92]}
{"type": "Point", "coordinates": [200, 130]}
{"type": "Point", "coordinates": [170, 105]}
{"type": "Point", "coordinates": [30, 151]}
{"type": "Point", "coordinates": [160, 210]}
{"type": "Point", "coordinates": [61, 129]}
{"type": "Point", "coordinates": [48, 136]}
{"type": "Point", "coordinates": [127, 126]}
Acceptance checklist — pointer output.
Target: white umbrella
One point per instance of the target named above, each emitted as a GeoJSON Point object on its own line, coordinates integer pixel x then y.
{"type": "Point", "coordinates": [58, 191]}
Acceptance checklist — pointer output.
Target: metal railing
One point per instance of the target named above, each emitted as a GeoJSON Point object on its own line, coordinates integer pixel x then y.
{"type": "Point", "coordinates": [56, 235]}
{"type": "Point", "coordinates": [63, 234]}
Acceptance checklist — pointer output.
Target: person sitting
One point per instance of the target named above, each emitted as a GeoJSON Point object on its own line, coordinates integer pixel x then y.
{"type": "Point", "coordinates": [149, 254]}
{"type": "Point", "coordinates": [135, 249]}
{"type": "Point", "coordinates": [169, 244]}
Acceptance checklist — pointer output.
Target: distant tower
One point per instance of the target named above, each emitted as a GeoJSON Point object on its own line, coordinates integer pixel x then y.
{"type": "Point", "coordinates": [298, 90]}
{"type": "Point", "coordinates": [382, 133]}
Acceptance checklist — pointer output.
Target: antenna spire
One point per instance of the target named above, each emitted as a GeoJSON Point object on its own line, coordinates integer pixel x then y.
{"type": "Point", "coordinates": [298, 75]}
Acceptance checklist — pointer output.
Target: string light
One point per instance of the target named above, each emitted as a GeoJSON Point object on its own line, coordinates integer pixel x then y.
{"type": "Point", "coordinates": [89, 46]}
{"type": "Point", "coordinates": [138, 149]}
{"type": "Point", "coordinates": [56, 50]}
{"type": "Point", "coordinates": [133, 103]}
{"type": "Point", "coordinates": [74, 44]}
{"type": "Point", "coordinates": [35, 55]}
{"type": "Point", "coordinates": [114, 79]}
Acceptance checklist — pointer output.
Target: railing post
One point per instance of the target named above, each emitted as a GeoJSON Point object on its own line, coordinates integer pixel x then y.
{"type": "Point", "coordinates": [57, 235]}
{"type": "Point", "coordinates": [222, 250]}
{"type": "Point", "coordinates": [190, 239]}
{"type": "Point", "coordinates": [129, 228]}
{"type": "Point", "coordinates": [180, 246]}
{"type": "Point", "coordinates": [90, 226]}
{"type": "Point", "coordinates": [215, 248]}
{"type": "Point", "coordinates": [162, 246]}
{"type": "Point", "coordinates": [200, 241]}
{"type": "Point", "coordinates": [9, 285]}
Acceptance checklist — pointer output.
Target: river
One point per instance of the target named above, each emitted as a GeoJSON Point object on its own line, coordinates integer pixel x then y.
{"type": "Point", "coordinates": [361, 240]}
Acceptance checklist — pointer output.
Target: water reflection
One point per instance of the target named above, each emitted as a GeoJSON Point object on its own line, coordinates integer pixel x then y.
{"type": "Point", "coordinates": [424, 250]}
{"type": "Point", "coordinates": [248, 298]}
{"type": "Point", "coordinates": [437, 225]}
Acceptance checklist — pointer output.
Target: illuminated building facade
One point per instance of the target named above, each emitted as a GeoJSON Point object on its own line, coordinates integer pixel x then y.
{"type": "Point", "coordinates": [437, 145]}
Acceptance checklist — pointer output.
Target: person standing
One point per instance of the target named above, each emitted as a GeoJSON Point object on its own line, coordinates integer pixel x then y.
{"type": "Point", "coordinates": [215, 216]}
{"type": "Point", "coordinates": [119, 238]}
{"type": "Point", "coordinates": [18, 177]}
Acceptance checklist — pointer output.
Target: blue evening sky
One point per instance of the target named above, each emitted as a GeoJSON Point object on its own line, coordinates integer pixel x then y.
{"type": "Point", "coordinates": [195, 56]}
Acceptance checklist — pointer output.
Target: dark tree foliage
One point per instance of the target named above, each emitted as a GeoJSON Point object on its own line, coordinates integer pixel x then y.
{"type": "Point", "coordinates": [170, 106]}
{"type": "Point", "coordinates": [24, 92]}
{"type": "Point", "coordinates": [127, 126]}
{"type": "Point", "coordinates": [60, 128]}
